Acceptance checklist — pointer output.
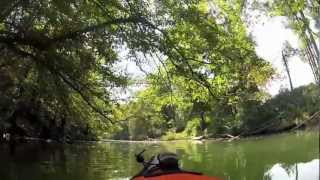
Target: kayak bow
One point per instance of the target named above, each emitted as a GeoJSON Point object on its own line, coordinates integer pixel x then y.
{"type": "Point", "coordinates": [165, 166]}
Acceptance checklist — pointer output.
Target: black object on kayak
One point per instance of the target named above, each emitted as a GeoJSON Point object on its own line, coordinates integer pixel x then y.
{"type": "Point", "coordinates": [165, 166]}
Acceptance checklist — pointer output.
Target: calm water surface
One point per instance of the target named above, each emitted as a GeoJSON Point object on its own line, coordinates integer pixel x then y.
{"type": "Point", "coordinates": [277, 157]}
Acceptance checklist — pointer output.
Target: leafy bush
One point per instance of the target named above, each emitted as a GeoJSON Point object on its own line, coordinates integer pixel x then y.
{"type": "Point", "coordinates": [172, 135]}
{"type": "Point", "coordinates": [284, 109]}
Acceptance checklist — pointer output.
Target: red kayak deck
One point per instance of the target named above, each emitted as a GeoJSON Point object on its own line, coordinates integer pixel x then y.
{"type": "Point", "coordinates": [178, 177]}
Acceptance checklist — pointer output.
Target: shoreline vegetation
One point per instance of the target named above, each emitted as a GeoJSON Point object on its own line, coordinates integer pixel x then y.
{"type": "Point", "coordinates": [226, 138]}
{"type": "Point", "coordinates": [305, 104]}
{"type": "Point", "coordinates": [289, 110]}
{"type": "Point", "coordinates": [199, 139]}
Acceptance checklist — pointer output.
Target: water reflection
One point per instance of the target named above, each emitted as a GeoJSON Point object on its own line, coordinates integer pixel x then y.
{"type": "Point", "coordinates": [301, 171]}
{"type": "Point", "coordinates": [274, 157]}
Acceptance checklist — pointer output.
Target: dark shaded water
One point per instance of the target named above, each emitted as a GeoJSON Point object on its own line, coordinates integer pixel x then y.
{"type": "Point", "coordinates": [277, 157]}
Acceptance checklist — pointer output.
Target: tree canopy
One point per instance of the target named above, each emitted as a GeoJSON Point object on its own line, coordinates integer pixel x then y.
{"type": "Point", "coordinates": [303, 18]}
{"type": "Point", "coordinates": [58, 66]}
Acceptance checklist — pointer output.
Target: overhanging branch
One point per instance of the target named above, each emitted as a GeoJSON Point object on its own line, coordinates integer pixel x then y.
{"type": "Point", "coordinates": [42, 42]}
{"type": "Point", "coordinates": [63, 78]}
{"type": "Point", "coordinates": [74, 34]}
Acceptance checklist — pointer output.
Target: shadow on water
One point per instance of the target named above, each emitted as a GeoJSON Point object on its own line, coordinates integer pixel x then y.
{"type": "Point", "coordinates": [286, 156]}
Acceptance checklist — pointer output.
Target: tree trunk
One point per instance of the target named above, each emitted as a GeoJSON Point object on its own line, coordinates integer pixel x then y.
{"type": "Point", "coordinates": [313, 62]}
{"type": "Point", "coordinates": [202, 123]}
{"type": "Point", "coordinates": [312, 47]}
{"type": "Point", "coordinates": [311, 38]}
{"type": "Point", "coordinates": [285, 62]}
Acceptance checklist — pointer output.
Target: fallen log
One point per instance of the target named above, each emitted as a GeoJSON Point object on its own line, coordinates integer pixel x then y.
{"type": "Point", "coordinates": [315, 116]}
{"type": "Point", "coordinates": [199, 138]}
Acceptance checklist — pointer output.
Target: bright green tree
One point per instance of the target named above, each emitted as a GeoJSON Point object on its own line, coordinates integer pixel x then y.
{"type": "Point", "coordinates": [59, 57]}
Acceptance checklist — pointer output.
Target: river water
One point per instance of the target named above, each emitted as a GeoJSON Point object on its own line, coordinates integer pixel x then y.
{"type": "Point", "coordinates": [277, 157]}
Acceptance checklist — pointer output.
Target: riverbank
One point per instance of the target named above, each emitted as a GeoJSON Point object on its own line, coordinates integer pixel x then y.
{"type": "Point", "coordinates": [311, 124]}
{"type": "Point", "coordinates": [286, 112]}
{"type": "Point", "coordinates": [194, 139]}
{"type": "Point", "coordinates": [203, 139]}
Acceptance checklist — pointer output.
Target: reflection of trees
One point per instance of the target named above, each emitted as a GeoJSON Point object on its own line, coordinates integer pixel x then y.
{"type": "Point", "coordinates": [80, 162]}
{"type": "Point", "coordinates": [248, 159]}
{"type": "Point", "coordinates": [291, 171]}
{"type": "Point", "coordinates": [267, 177]}
{"type": "Point", "coordinates": [297, 172]}
{"type": "Point", "coordinates": [244, 159]}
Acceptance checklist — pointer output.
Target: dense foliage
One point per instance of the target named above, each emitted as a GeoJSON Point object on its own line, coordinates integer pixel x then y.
{"type": "Point", "coordinates": [285, 109]}
{"type": "Point", "coordinates": [156, 115]}
{"type": "Point", "coordinates": [58, 68]}
{"type": "Point", "coordinates": [222, 76]}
